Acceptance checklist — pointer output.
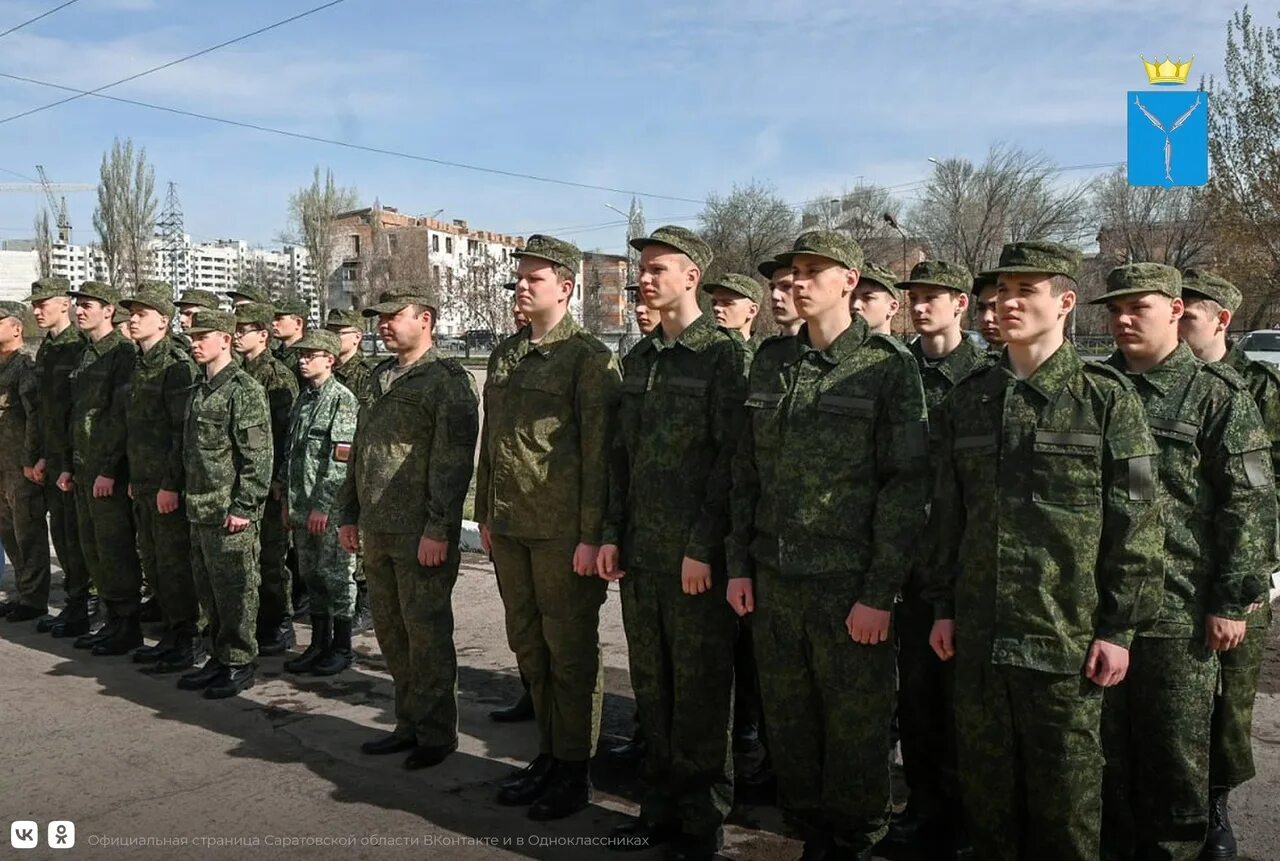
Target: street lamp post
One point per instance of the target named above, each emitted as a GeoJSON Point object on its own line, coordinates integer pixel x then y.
{"type": "Point", "coordinates": [893, 222]}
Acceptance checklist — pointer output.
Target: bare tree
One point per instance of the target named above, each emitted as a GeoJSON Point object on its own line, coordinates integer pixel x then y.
{"type": "Point", "coordinates": [312, 211]}
{"type": "Point", "coordinates": [1173, 226]}
{"type": "Point", "coordinates": [476, 298]}
{"type": "Point", "coordinates": [744, 227]}
{"type": "Point", "coordinates": [967, 211]}
{"type": "Point", "coordinates": [857, 213]}
{"type": "Point", "coordinates": [44, 243]}
{"type": "Point", "coordinates": [125, 217]}
{"type": "Point", "coordinates": [258, 276]}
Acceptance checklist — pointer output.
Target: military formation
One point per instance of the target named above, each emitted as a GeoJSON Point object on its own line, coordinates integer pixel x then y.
{"type": "Point", "coordinates": [1046, 578]}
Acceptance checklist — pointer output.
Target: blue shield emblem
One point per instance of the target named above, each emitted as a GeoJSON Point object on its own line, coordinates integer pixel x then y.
{"type": "Point", "coordinates": [1168, 138]}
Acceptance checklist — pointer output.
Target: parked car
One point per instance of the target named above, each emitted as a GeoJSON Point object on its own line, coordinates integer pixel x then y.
{"type": "Point", "coordinates": [1262, 345]}
{"type": "Point", "coordinates": [371, 344]}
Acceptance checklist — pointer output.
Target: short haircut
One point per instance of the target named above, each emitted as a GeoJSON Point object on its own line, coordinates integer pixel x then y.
{"type": "Point", "coordinates": [1213, 305]}
{"type": "Point", "coordinates": [1059, 284]}
{"type": "Point", "coordinates": [563, 273]}
{"type": "Point", "coordinates": [419, 310]}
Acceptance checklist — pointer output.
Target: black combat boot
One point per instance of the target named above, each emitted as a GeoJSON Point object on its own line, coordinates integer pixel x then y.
{"type": "Point", "coordinates": [45, 625]}
{"type": "Point", "coordinates": [518, 712]}
{"type": "Point", "coordinates": [151, 654]}
{"type": "Point", "coordinates": [149, 610]}
{"type": "Point", "coordinates": [25, 613]}
{"type": "Point", "coordinates": [128, 636]}
{"type": "Point", "coordinates": [1220, 841]}
{"type": "Point", "coordinates": [276, 640]}
{"type": "Point", "coordinates": [529, 783]}
{"type": "Point", "coordinates": [187, 651]}
{"type": "Point", "coordinates": [231, 681]}
{"type": "Point", "coordinates": [569, 792]}
{"type": "Point", "coordinates": [321, 635]}
{"type": "Point", "coordinates": [338, 656]}
{"type": "Point", "coordinates": [201, 678]}
{"type": "Point", "coordinates": [88, 641]}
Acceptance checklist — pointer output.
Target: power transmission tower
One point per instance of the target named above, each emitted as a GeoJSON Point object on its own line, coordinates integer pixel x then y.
{"type": "Point", "coordinates": [172, 242]}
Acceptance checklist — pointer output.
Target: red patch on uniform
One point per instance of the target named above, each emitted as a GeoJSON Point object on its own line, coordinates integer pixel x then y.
{"type": "Point", "coordinates": [342, 452]}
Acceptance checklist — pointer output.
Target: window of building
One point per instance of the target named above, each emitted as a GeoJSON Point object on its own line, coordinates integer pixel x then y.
{"type": "Point", "coordinates": [393, 242]}
{"type": "Point", "coordinates": [435, 274]}
{"type": "Point", "coordinates": [355, 243]}
{"type": "Point", "coordinates": [448, 245]}
{"type": "Point", "coordinates": [473, 247]}
{"type": "Point", "coordinates": [435, 242]}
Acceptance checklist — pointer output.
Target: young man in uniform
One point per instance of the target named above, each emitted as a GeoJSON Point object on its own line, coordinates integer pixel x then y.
{"type": "Point", "coordinates": [938, 298]}
{"type": "Point", "coordinates": [1215, 478]}
{"type": "Point", "coordinates": [541, 494]}
{"type": "Point", "coordinates": [1047, 559]}
{"type": "Point", "coordinates": [984, 313]}
{"type": "Point", "coordinates": [275, 611]}
{"type": "Point", "coordinates": [164, 379]}
{"type": "Point", "coordinates": [735, 302]}
{"type": "Point", "coordinates": [289, 325]}
{"type": "Point", "coordinates": [57, 356]}
{"type": "Point", "coordinates": [321, 430]}
{"type": "Point", "coordinates": [99, 473]}
{"type": "Point", "coordinates": [877, 298]}
{"type": "Point", "coordinates": [821, 545]}
{"type": "Point", "coordinates": [352, 370]}
{"type": "Point", "coordinates": [227, 461]}
{"type": "Point", "coordinates": [1210, 301]}
{"type": "Point", "coordinates": [782, 303]}
{"type": "Point", "coordinates": [407, 480]}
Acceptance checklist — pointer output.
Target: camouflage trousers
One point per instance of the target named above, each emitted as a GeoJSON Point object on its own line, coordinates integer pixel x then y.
{"type": "Point", "coordinates": [412, 609]}
{"type": "Point", "coordinates": [109, 544]}
{"type": "Point", "coordinates": [1231, 735]}
{"type": "Point", "coordinates": [553, 626]}
{"type": "Point", "coordinates": [926, 715]}
{"type": "Point", "coordinates": [275, 582]}
{"type": "Point", "coordinates": [1029, 754]}
{"type": "Point", "coordinates": [326, 569]}
{"type": "Point", "coordinates": [25, 536]}
{"type": "Point", "coordinates": [1155, 732]}
{"type": "Point", "coordinates": [164, 548]}
{"type": "Point", "coordinates": [225, 568]}
{"type": "Point", "coordinates": [681, 655]}
{"type": "Point", "coordinates": [827, 702]}
{"type": "Point", "coordinates": [65, 532]}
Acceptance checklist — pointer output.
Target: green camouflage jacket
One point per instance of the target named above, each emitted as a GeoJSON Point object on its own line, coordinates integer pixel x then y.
{"type": "Point", "coordinates": [56, 358]}
{"type": "Point", "coordinates": [19, 412]}
{"type": "Point", "coordinates": [281, 387]}
{"type": "Point", "coordinates": [357, 375]}
{"type": "Point", "coordinates": [99, 397]}
{"type": "Point", "coordinates": [679, 418]}
{"type": "Point", "coordinates": [1216, 487]}
{"type": "Point", "coordinates": [544, 446]}
{"type": "Point", "coordinates": [288, 356]}
{"type": "Point", "coordinates": [415, 449]}
{"type": "Point", "coordinates": [1044, 520]}
{"type": "Point", "coordinates": [321, 432]}
{"type": "Point", "coordinates": [831, 475]}
{"type": "Point", "coordinates": [227, 448]}
{"type": "Point", "coordinates": [164, 379]}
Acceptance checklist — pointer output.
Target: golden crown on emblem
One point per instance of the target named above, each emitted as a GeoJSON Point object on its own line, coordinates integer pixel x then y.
{"type": "Point", "coordinates": [1168, 71]}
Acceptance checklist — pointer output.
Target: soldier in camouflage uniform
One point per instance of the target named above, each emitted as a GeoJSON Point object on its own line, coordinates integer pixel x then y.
{"type": "Point", "coordinates": [984, 313]}
{"type": "Point", "coordinates": [275, 610]}
{"type": "Point", "coordinates": [782, 304]}
{"type": "Point", "coordinates": [321, 430]}
{"type": "Point", "coordinates": [352, 370]}
{"type": "Point", "coordinates": [23, 530]}
{"type": "Point", "coordinates": [57, 356]}
{"type": "Point", "coordinates": [938, 299]}
{"type": "Point", "coordinates": [1047, 559]}
{"type": "Point", "coordinates": [541, 494]}
{"type": "Point", "coordinates": [163, 381]}
{"type": "Point", "coordinates": [679, 419]}
{"type": "Point", "coordinates": [1210, 303]}
{"type": "Point", "coordinates": [821, 545]}
{"type": "Point", "coordinates": [646, 319]}
{"type": "Point", "coordinates": [247, 294]}
{"type": "Point", "coordinates": [187, 305]}
{"type": "Point", "coordinates": [735, 302]}
{"type": "Point", "coordinates": [877, 298]}
{"type": "Point", "coordinates": [407, 480]}
{"type": "Point", "coordinates": [289, 325]}
{"type": "Point", "coordinates": [1218, 493]}
{"type": "Point", "coordinates": [100, 473]}
{"type": "Point", "coordinates": [227, 461]}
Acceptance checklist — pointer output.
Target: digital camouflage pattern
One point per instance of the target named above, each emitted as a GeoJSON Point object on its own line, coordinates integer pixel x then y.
{"type": "Point", "coordinates": [1197, 282]}
{"type": "Point", "coordinates": [825, 243]}
{"type": "Point", "coordinates": [357, 375]}
{"type": "Point", "coordinates": [1136, 278]}
{"type": "Point", "coordinates": [199, 298]}
{"type": "Point", "coordinates": [554, 251]}
{"type": "Point", "coordinates": [938, 273]}
{"type": "Point", "coordinates": [1047, 536]}
{"type": "Point", "coordinates": [322, 429]}
{"type": "Point", "coordinates": [22, 523]}
{"type": "Point", "coordinates": [679, 419]}
{"type": "Point", "coordinates": [227, 456]}
{"type": "Point", "coordinates": [733, 282]}
{"type": "Point", "coordinates": [1038, 256]}
{"type": "Point", "coordinates": [682, 239]}
{"type": "Point", "coordinates": [841, 527]}
{"type": "Point", "coordinates": [880, 277]}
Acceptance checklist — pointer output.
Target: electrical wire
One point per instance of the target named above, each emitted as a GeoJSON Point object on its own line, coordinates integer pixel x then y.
{"type": "Point", "coordinates": [25, 23]}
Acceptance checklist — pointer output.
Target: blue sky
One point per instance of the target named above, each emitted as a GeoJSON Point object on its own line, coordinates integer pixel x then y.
{"type": "Point", "coordinates": [674, 99]}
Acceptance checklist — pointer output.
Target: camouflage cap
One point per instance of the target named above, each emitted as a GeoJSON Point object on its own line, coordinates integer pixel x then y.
{"type": "Point", "coordinates": [292, 306]}
{"type": "Point", "coordinates": [344, 319]}
{"type": "Point", "coordinates": [391, 301]}
{"type": "Point", "coordinates": [15, 309]}
{"type": "Point", "coordinates": [212, 320]}
{"type": "Point", "coordinates": [982, 281]}
{"type": "Point", "coordinates": [939, 273]}
{"type": "Point", "coordinates": [256, 313]}
{"type": "Point", "coordinates": [767, 268]}
{"type": "Point", "coordinates": [320, 339]}
{"type": "Point", "coordinates": [119, 315]}
{"type": "Point", "coordinates": [878, 276]}
{"type": "Point", "coordinates": [682, 239]}
{"type": "Point", "coordinates": [1039, 255]}
{"type": "Point", "coordinates": [104, 293]}
{"type": "Point", "coordinates": [198, 299]}
{"type": "Point", "coordinates": [151, 294]}
{"type": "Point", "coordinates": [48, 288]}
{"type": "Point", "coordinates": [1134, 278]}
{"type": "Point", "coordinates": [253, 294]}
{"type": "Point", "coordinates": [555, 251]}
{"type": "Point", "coordinates": [1211, 286]}
{"type": "Point", "coordinates": [828, 244]}
{"type": "Point", "coordinates": [740, 284]}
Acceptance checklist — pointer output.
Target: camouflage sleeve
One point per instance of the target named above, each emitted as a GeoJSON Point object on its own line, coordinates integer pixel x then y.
{"type": "Point", "coordinates": [1266, 394]}
{"type": "Point", "coordinates": [902, 472]}
{"type": "Point", "coordinates": [331, 472]}
{"type": "Point", "coordinates": [348, 501]}
{"type": "Point", "coordinates": [728, 396]}
{"type": "Point", "coordinates": [179, 386]}
{"type": "Point", "coordinates": [110, 431]}
{"type": "Point", "coordinates": [1130, 567]}
{"type": "Point", "coordinates": [1244, 507]}
{"type": "Point", "coordinates": [484, 461]}
{"type": "Point", "coordinates": [947, 519]}
{"type": "Point", "coordinates": [251, 452]}
{"type": "Point", "coordinates": [453, 446]}
{"type": "Point", "coordinates": [55, 406]}
{"type": "Point", "coordinates": [29, 395]}
{"type": "Point", "coordinates": [595, 402]}
{"type": "Point", "coordinates": [280, 398]}
{"type": "Point", "coordinates": [362, 385]}
{"type": "Point", "coordinates": [744, 495]}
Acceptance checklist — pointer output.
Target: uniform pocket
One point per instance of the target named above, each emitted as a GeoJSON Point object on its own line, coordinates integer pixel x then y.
{"type": "Point", "coordinates": [1067, 468]}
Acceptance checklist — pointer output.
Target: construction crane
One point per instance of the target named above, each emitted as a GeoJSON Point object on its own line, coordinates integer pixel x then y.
{"type": "Point", "coordinates": [59, 209]}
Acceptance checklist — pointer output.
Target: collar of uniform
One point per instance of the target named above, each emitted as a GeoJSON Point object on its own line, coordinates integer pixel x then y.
{"type": "Point", "coordinates": [66, 336]}
{"type": "Point", "coordinates": [431, 355]}
{"type": "Point", "coordinates": [1163, 376]}
{"type": "Point", "coordinates": [1235, 356]}
{"type": "Point", "coordinates": [1052, 376]}
{"type": "Point", "coordinates": [947, 364]}
{"type": "Point", "coordinates": [562, 331]}
{"type": "Point", "coordinates": [104, 344]}
{"type": "Point", "coordinates": [310, 391]}
{"type": "Point", "coordinates": [221, 377]}
{"type": "Point", "coordinates": [157, 354]}
{"type": "Point", "coordinates": [695, 336]}
{"type": "Point", "coordinates": [845, 343]}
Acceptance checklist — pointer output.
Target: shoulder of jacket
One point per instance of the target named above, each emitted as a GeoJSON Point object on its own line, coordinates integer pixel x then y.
{"type": "Point", "coordinates": [592, 343]}
{"type": "Point", "coordinates": [454, 367]}
{"type": "Point", "coordinates": [1227, 374]}
{"type": "Point", "coordinates": [1107, 375]}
